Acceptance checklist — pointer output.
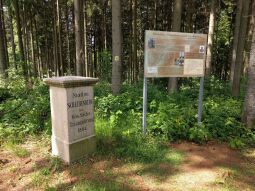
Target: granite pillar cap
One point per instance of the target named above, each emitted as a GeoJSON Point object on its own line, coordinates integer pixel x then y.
{"type": "Point", "coordinates": [70, 81]}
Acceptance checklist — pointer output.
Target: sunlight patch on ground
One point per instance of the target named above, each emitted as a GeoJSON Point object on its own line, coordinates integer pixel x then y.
{"type": "Point", "coordinates": [198, 179]}
{"type": "Point", "coordinates": [187, 167]}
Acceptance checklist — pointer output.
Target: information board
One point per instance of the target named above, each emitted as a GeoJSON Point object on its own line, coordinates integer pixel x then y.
{"type": "Point", "coordinates": [173, 54]}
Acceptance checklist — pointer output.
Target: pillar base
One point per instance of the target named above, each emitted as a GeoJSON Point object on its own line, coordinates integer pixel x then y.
{"type": "Point", "coordinates": [71, 152]}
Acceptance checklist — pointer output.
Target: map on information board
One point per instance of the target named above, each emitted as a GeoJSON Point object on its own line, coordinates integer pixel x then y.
{"type": "Point", "coordinates": [173, 54]}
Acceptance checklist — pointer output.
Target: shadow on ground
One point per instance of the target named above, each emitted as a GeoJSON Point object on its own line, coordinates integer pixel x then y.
{"type": "Point", "coordinates": [184, 166]}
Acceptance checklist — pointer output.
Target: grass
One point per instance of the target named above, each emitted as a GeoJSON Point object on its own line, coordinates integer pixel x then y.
{"type": "Point", "coordinates": [41, 177]}
{"type": "Point", "coordinates": [13, 169]}
{"type": "Point", "coordinates": [109, 172]}
{"type": "Point", "coordinates": [235, 177]}
{"type": "Point", "coordinates": [131, 145]}
{"type": "Point", "coordinates": [55, 163]}
{"type": "Point", "coordinates": [17, 150]}
{"type": "Point", "coordinates": [174, 157]}
{"type": "Point", "coordinates": [88, 186]}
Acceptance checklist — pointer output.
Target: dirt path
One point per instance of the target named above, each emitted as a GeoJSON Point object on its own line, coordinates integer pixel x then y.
{"type": "Point", "coordinates": [209, 167]}
{"type": "Point", "coordinates": [215, 166]}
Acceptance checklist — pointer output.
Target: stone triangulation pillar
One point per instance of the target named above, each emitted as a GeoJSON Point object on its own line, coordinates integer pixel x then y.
{"type": "Point", "coordinates": [72, 115]}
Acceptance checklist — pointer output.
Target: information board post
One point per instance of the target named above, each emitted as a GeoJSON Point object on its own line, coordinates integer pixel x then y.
{"type": "Point", "coordinates": [144, 104]}
{"type": "Point", "coordinates": [200, 100]}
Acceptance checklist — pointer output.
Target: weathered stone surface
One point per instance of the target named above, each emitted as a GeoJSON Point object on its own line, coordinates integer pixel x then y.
{"type": "Point", "coordinates": [72, 112]}
{"type": "Point", "coordinates": [70, 81]}
{"type": "Point", "coordinates": [75, 151]}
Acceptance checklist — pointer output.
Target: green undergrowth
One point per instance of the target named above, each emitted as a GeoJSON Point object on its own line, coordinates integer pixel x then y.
{"type": "Point", "coordinates": [23, 112]}
{"type": "Point", "coordinates": [171, 117]}
{"type": "Point", "coordinates": [119, 118]}
{"type": "Point", "coordinates": [132, 145]}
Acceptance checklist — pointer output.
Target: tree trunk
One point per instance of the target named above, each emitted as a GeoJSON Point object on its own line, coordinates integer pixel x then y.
{"type": "Point", "coordinates": [190, 13]}
{"type": "Point", "coordinates": [25, 24]}
{"type": "Point", "coordinates": [55, 43]}
{"type": "Point", "coordinates": [116, 46]}
{"type": "Point", "coordinates": [248, 45]}
{"type": "Point", "coordinates": [4, 34]}
{"type": "Point", "coordinates": [18, 24]}
{"type": "Point", "coordinates": [12, 38]}
{"type": "Point", "coordinates": [59, 40]}
{"type": "Point", "coordinates": [32, 38]}
{"type": "Point", "coordinates": [33, 48]}
{"type": "Point", "coordinates": [39, 57]}
{"type": "Point", "coordinates": [249, 104]}
{"type": "Point", "coordinates": [3, 59]}
{"type": "Point", "coordinates": [169, 21]}
{"type": "Point", "coordinates": [239, 56]}
{"type": "Point", "coordinates": [236, 38]}
{"type": "Point", "coordinates": [67, 38]}
{"type": "Point", "coordinates": [172, 82]}
{"type": "Point", "coordinates": [78, 7]}
{"type": "Point", "coordinates": [210, 39]}
{"type": "Point", "coordinates": [20, 39]}
{"type": "Point", "coordinates": [130, 45]}
{"type": "Point", "coordinates": [105, 24]}
{"type": "Point", "coordinates": [85, 42]}
{"type": "Point", "coordinates": [155, 14]}
{"type": "Point", "coordinates": [136, 65]}
{"type": "Point", "coordinates": [95, 56]}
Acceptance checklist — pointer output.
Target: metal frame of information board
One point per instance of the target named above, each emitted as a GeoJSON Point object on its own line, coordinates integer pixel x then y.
{"type": "Point", "coordinates": [145, 93]}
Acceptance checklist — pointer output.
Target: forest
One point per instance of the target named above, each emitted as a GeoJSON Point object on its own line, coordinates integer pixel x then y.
{"type": "Point", "coordinates": [105, 39]}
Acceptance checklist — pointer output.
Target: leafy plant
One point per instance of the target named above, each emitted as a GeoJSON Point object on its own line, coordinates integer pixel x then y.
{"type": "Point", "coordinates": [199, 134]}
{"type": "Point", "coordinates": [119, 118]}
{"type": "Point", "coordinates": [237, 143]}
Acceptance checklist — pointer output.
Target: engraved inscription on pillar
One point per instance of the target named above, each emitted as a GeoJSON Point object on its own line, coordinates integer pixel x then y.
{"type": "Point", "coordinates": [80, 112]}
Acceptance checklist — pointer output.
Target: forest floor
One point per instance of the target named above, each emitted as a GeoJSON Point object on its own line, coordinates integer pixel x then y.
{"type": "Point", "coordinates": [213, 166]}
